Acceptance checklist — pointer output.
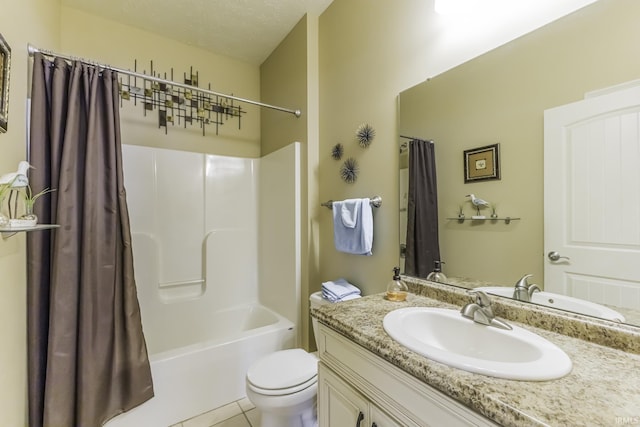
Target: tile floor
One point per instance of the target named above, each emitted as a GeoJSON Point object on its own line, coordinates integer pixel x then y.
{"type": "Point", "coordinates": [237, 414]}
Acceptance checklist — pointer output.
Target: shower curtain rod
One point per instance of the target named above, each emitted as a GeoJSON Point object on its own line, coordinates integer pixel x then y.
{"type": "Point", "coordinates": [33, 50]}
{"type": "Point", "coordinates": [416, 139]}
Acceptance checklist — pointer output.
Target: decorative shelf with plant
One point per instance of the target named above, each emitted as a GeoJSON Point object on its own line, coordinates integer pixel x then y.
{"type": "Point", "coordinates": [26, 222]}
{"type": "Point", "coordinates": [461, 217]}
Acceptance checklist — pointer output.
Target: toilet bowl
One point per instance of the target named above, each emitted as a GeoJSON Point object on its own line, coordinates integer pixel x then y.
{"type": "Point", "coordinates": [283, 385]}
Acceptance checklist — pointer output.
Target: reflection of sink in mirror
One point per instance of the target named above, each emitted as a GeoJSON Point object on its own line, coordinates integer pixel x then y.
{"type": "Point", "coordinates": [561, 302]}
{"type": "Point", "coordinates": [492, 251]}
{"type": "Point", "coordinates": [447, 337]}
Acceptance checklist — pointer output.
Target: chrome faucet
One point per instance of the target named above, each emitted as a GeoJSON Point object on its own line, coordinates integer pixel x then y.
{"type": "Point", "coordinates": [523, 290]}
{"type": "Point", "coordinates": [481, 312]}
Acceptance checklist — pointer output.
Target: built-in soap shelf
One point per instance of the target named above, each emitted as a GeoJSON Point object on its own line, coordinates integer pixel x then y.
{"type": "Point", "coordinates": [506, 219]}
{"type": "Point", "coordinates": [8, 232]}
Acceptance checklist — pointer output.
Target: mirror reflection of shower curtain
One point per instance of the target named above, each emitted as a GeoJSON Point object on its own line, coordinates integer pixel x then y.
{"type": "Point", "coordinates": [423, 247]}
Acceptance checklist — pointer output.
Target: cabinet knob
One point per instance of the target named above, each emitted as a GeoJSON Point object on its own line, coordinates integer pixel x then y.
{"type": "Point", "coordinates": [374, 425]}
{"type": "Point", "coordinates": [360, 418]}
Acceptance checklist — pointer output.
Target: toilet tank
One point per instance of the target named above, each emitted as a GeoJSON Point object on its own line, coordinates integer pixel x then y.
{"type": "Point", "coordinates": [315, 301]}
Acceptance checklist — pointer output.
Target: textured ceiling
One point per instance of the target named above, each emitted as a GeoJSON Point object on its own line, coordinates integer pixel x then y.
{"type": "Point", "coordinates": [248, 30]}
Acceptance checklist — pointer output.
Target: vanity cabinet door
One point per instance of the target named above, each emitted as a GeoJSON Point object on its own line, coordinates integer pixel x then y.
{"type": "Point", "coordinates": [339, 405]}
{"type": "Point", "coordinates": [352, 380]}
{"type": "Point", "coordinates": [381, 419]}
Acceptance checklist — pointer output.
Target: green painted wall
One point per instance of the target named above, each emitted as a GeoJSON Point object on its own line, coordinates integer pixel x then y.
{"type": "Point", "coordinates": [21, 22]}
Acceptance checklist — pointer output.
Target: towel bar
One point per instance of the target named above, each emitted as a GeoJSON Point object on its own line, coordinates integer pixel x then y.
{"type": "Point", "coordinates": [375, 202]}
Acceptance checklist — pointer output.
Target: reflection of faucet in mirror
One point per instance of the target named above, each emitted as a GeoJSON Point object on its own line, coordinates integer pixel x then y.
{"type": "Point", "coordinates": [562, 302]}
{"type": "Point", "coordinates": [533, 288]}
{"type": "Point", "coordinates": [538, 100]}
{"type": "Point", "coordinates": [481, 312]}
{"type": "Point", "coordinates": [523, 290]}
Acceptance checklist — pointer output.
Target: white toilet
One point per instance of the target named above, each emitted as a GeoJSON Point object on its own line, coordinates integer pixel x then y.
{"type": "Point", "coordinates": [283, 385]}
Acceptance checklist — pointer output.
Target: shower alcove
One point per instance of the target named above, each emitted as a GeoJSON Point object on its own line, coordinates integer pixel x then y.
{"type": "Point", "coordinates": [216, 244]}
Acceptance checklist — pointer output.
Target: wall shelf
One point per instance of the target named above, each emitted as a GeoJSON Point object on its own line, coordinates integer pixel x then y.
{"type": "Point", "coordinates": [8, 232]}
{"type": "Point", "coordinates": [506, 219]}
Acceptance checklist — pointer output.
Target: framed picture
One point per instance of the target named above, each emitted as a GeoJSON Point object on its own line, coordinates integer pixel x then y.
{"type": "Point", "coordinates": [481, 164]}
{"type": "Point", "coordinates": [5, 66]}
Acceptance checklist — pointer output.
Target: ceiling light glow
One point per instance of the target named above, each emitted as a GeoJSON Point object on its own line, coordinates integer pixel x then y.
{"type": "Point", "coordinates": [467, 7]}
{"type": "Point", "coordinates": [455, 7]}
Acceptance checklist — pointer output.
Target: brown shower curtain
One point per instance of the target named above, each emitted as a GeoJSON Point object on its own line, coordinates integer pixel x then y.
{"type": "Point", "coordinates": [87, 358]}
{"type": "Point", "coordinates": [423, 245]}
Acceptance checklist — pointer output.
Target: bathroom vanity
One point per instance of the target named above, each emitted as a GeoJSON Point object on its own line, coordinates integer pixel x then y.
{"type": "Point", "coordinates": [367, 379]}
{"type": "Point", "coordinates": [358, 388]}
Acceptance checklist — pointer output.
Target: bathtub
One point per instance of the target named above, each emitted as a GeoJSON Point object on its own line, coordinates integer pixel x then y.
{"type": "Point", "coordinates": [204, 375]}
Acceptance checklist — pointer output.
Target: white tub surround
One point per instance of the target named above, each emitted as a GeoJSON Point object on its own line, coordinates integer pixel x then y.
{"type": "Point", "coordinates": [207, 271]}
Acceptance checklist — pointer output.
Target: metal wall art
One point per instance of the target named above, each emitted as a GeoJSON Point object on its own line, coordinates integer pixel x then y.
{"type": "Point", "coordinates": [349, 170]}
{"type": "Point", "coordinates": [180, 106]}
{"type": "Point", "coordinates": [337, 151]}
{"type": "Point", "coordinates": [365, 135]}
{"type": "Point", "coordinates": [5, 68]}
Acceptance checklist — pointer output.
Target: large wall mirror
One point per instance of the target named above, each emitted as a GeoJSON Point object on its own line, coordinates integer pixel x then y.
{"type": "Point", "coordinates": [501, 98]}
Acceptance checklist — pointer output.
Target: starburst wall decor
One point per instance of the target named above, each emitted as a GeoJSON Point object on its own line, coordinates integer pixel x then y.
{"type": "Point", "coordinates": [349, 170]}
{"type": "Point", "coordinates": [337, 151]}
{"type": "Point", "coordinates": [365, 135]}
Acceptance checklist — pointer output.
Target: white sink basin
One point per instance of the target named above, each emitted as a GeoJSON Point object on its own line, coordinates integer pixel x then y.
{"type": "Point", "coordinates": [447, 337]}
{"type": "Point", "coordinates": [562, 302]}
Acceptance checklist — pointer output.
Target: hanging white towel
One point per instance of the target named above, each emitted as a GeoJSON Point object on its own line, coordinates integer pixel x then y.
{"type": "Point", "coordinates": [353, 226]}
{"type": "Point", "coordinates": [349, 212]}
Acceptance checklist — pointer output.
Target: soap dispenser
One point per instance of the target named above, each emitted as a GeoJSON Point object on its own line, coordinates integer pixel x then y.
{"type": "Point", "coordinates": [396, 288]}
{"type": "Point", "coordinates": [437, 275]}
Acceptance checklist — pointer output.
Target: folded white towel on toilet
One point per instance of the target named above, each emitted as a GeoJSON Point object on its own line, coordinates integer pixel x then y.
{"type": "Point", "coordinates": [339, 290]}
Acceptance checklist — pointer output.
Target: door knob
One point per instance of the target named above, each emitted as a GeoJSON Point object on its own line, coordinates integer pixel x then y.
{"type": "Point", "coordinates": [555, 256]}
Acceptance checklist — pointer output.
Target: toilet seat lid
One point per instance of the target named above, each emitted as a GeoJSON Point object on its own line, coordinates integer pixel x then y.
{"type": "Point", "coordinates": [283, 370]}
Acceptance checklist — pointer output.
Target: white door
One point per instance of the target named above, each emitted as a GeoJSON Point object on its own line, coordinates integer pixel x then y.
{"type": "Point", "coordinates": [592, 198]}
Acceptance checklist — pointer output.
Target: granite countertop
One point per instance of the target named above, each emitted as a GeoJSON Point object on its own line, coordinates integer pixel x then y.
{"type": "Point", "coordinates": [603, 388]}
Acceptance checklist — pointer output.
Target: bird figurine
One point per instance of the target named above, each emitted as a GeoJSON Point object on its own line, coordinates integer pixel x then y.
{"type": "Point", "coordinates": [17, 179]}
{"type": "Point", "coordinates": [478, 202]}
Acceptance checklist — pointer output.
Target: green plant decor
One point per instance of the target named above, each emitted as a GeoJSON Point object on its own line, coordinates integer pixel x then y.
{"type": "Point", "coordinates": [30, 200]}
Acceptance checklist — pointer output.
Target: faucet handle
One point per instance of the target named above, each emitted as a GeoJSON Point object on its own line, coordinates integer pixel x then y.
{"type": "Point", "coordinates": [522, 283]}
{"type": "Point", "coordinates": [482, 299]}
